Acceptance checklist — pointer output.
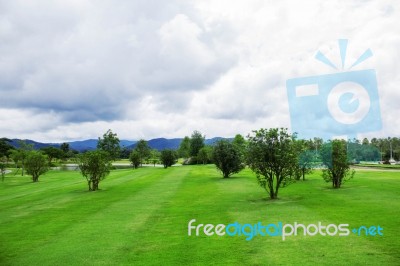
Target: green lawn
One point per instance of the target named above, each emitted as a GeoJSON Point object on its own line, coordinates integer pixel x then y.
{"type": "Point", "coordinates": [140, 217]}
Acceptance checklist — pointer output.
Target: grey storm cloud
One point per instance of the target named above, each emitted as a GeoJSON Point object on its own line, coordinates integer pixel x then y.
{"type": "Point", "coordinates": [90, 62]}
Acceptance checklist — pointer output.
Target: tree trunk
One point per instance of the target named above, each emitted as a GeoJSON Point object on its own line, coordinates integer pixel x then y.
{"type": "Point", "coordinates": [271, 187]}
{"type": "Point", "coordinates": [226, 174]}
{"type": "Point", "coordinates": [95, 185]}
{"type": "Point", "coordinates": [335, 182]}
{"type": "Point", "coordinates": [273, 195]}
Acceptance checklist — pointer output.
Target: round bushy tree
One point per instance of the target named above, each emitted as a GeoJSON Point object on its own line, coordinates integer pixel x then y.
{"type": "Point", "coordinates": [110, 144]}
{"type": "Point", "coordinates": [94, 166]}
{"type": "Point", "coordinates": [227, 158]}
{"type": "Point", "coordinates": [196, 143]}
{"type": "Point", "coordinates": [272, 156]}
{"type": "Point", "coordinates": [168, 158]}
{"type": "Point", "coordinates": [36, 164]}
{"type": "Point", "coordinates": [334, 157]}
{"type": "Point", "coordinates": [134, 157]}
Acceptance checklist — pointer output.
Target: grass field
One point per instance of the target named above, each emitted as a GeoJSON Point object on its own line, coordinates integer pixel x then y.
{"type": "Point", "coordinates": [140, 217]}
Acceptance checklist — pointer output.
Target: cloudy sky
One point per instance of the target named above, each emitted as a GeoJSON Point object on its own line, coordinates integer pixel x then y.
{"type": "Point", "coordinates": [71, 69]}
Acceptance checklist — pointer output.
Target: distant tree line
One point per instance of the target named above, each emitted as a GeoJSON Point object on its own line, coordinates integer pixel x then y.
{"type": "Point", "coordinates": [277, 157]}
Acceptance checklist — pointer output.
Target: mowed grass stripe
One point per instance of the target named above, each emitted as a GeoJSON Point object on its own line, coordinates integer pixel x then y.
{"type": "Point", "coordinates": [112, 227]}
{"type": "Point", "coordinates": [140, 217]}
{"type": "Point", "coordinates": [70, 193]}
{"type": "Point", "coordinates": [168, 242]}
{"type": "Point", "coordinates": [37, 224]}
{"type": "Point", "coordinates": [304, 203]}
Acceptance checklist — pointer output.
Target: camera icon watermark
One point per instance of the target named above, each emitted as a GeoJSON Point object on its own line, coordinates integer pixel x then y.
{"type": "Point", "coordinates": [341, 104]}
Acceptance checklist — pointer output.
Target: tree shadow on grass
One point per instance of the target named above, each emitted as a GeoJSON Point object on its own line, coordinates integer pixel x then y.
{"type": "Point", "coordinates": [280, 200]}
{"type": "Point", "coordinates": [219, 178]}
{"type": "Point", "coordinates": [83, 191]}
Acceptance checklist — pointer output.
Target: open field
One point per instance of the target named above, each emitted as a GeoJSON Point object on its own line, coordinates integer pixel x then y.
{"type": "Point", "coordinates": [141, 217]}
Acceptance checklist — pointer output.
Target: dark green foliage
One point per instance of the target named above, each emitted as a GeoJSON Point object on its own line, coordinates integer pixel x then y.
{"type": "Point", "coordinates": [357, 152]}
{"type": "Point", "coordinates": [110, 144]}
{"type": "Point", "coordinates": [184, 148]}
{"type": "Point", "coordinates": [334, 157]}
{"type": "Point", "coordinates": [64, 147]}
{"type": "Point", "coordinates": [5, 152]}
{"type": "Point", "coordinates": [241, 144]}
{"type": "Point", "coordinates": [272, 156]}
{"type": "Point", "coordinates": [196, 143]}
{"type": "Point", "coordinates": [3, 166]}
{"type": "Point", "coordinates": [66, 151]}
{"type": "Point", "coordinates": [143, 149]}
{"type": "Point", "coordinates": [5, 147]}
{"type": "Point", "coordinates": [94, 166]}
{"type": "Point", "coordinates": [306, 158]}
{"type": "Point", "coordinates": [227, 158]}
{"type": "Point", "coordinates": [52, 153]}
{"type": "Point", "coordinates": [134, 157]}
{"type": "Point", "coordinates": [36, 164]}
{"type": "Point", "coordinates": [387, 147]}
{"type": "Point", "coordinates": [125, 152]}
{"type": "Point", "coordinates": [19, 155]}
{"type": "Point", "coordinates": [306, 162]}
{"type": "Point", "coordinates": [205, 155]}
{"type": "Point", "coordinates": [168, 157]}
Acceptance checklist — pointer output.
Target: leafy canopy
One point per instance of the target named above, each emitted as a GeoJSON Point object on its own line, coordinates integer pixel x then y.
{"type": "Point", "coordinates": [94, 166]}
{"type": "Point", "coordinates": [227, 158]}
{"type": "Point", "coordinates": [272, 156]}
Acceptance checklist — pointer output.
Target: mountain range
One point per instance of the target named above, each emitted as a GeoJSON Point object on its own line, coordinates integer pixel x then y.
{"type": "Point", "coordinates": [91, 144]}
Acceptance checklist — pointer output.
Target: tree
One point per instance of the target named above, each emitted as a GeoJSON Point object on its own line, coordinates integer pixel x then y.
{"type": "Point", "coordinates": [134, 157]}
{"type": "Point", "coordinates": [65, 149]}
{"type": "Point", "coordinates": [125, 152]}
{"type": "Point", "coordinates": [3, 165]}
{"type": "Point", "coordinates": [306, 158]}
{"type": "Point", "coordinates": [272, 157]}
{"type": "Point", "coordinates": [227, 158]}
{"type": "Point", "coordinates": [52, 153]}
{"type": "Point", "coordinates": [196, 143]}
{"type": "Point", "coordinates": [20, 154]}
{"type": "Point", "coordinates": [240, 143]}
{"type": "Point", "coordinates": [110, 144]}
{"type": "Point", "coordinates": [143, 149]}
{"type": "Point", "coordinates": [184, 148]}
{"type": "Point", "coordinates": [94, 166]}
{"type": "Point", "coordinates": [154, 156]}
{"type": "Point", "coordinates": [36, 164]}
{"type": "Point", "coordinates": [5, 152]}
{"type": "Point", "coordinates": [205, 154]}
{"type": "Point", "coordinates": [5, 147]}
{"type": "Point", "coordinates": [316, 143]}
{"type": "Point", "coordinates": [334, 157]}
{"type": "Point", "coordinates": [357, 152]}
{"type": "Point", "coordinates": [365, 141]}
{"type": "Point", "coordinates": [306, 162]}
{"type": "Point", "coordinates": [168, 158]}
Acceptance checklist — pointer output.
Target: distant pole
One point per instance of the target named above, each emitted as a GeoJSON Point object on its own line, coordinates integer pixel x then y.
{"type": "Point", "coordinates": [391, 150]}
